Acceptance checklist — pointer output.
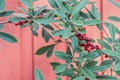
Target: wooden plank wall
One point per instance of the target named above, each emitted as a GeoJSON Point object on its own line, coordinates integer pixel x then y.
{"type": "Point", "coordinates": [18, 62]}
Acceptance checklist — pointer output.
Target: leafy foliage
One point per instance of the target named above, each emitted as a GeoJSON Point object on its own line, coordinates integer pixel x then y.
{"type": "Point", "coordinates": [67, 21]}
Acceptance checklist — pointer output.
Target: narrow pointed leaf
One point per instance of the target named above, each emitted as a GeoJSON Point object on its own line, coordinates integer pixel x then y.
{"type": "Point", "coordinates": [79, 7]}
{"type": "Point", "coordinates": [45, 21]}
{"type": "Point", "coordinates": [61, 7]}
{"type": "Point", "coordinates": [52, 3]}
{"type": "Point", "coordinates": [7, 37]}
{"type": "Point", "coordinates": [88, 73]}
{"type": "Point", "coordinates": [111, 53]}
{"type": "Point", "coordinates": [67, 33]}
{"type": "Point", "coordinates": [104, 44]}
{"type": "Point", "coordinates": [62, 56]}
{"type": "Point", "coordinates": [6, 13]}
{"type": "Point", "coordinates": [106, 77]}
{"type": "Point", "coordinates": [1, 26]}
{"type": "Point", "coordinates": [50, 51]}
{"type": "Point", "coordinates": [2, 5]}
{"type": "Point", "coordinates": [61, 68]}
{"type": "Point", "coordinates": [45, 35]}
{"type": "Point", "coordinates": [27, 3]}
{"type": "Point", "coordinates": [74, 43]}
{"type": "Point", "coordinates": [117, 67]}
{"type": "Point", "coordinates": [114, 18]}
{"type": "Point", "coordinates": [42, 50]}
{"type": "Point", "coordinates": [115, 3]}
{"type": "Point", "coordinates": [112, 31]}
{"type": "Point", "coordinates": [38, 75]}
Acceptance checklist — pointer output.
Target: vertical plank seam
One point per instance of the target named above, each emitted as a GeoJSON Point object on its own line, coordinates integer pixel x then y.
{"type": "Point", "coordinates": [33, 60]}
{"type": "Point", "coordinates": [101, 12]}
{"type": "Point", "coordinates": [20, 39]}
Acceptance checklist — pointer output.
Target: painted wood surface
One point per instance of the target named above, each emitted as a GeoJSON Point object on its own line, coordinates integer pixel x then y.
{"type": "Point", "coordinates": [18, 61]}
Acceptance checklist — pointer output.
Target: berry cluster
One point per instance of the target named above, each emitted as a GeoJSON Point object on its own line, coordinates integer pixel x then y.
{"type": "Point", "coordinates": [88, 45]}
{"type": "Point", "coordinates": [21, 22]}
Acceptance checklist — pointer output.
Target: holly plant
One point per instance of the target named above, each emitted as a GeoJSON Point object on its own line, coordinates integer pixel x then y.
{"type": "Point", "coordinates": [68, 20]}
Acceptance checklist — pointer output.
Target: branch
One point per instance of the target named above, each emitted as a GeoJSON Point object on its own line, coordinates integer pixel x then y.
{"type": "Point", "coordinates": [5, 22]}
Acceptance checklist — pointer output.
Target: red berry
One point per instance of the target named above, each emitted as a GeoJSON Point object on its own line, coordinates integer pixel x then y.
{"type": "Point", "coordinates": [80, 38]}
{"type": "Point", "coordinates": [97, 47]}
{"type": "Point", "coordinates": [86, 79]}
{"type": "Point", "coordinates": [106, 56]}
{"type": "Point", "coordinates": [97, 73]}
{"type": "Point", "coordinates": [91, 48]}
{"type": "Point", "coordinates": [87, 39]}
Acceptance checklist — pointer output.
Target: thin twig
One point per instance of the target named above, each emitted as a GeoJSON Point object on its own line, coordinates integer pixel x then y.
{"type": "Point", "coordinates": [4, 22]}
{"type": "Point", "coordinates": [95, 18]}
{"type": "Point", "coordinates": [56, 25]}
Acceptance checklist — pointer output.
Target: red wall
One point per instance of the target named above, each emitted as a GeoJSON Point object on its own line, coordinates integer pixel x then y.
{"type": "Point", "coordinates": [18, 62]}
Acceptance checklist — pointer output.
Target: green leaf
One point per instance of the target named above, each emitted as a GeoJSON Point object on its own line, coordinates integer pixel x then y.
{"type": "Point", "coordinates": [44, 49]}
{"type": "Point", "coordinates": [38, 75]}
{"type": "Point", "coordinates": [91, 64]}
{"type": "Point", "coordinates": [50, 51]}
{"type": "Point", "coordinates": [2, 6]}
{"type": "Point", "coordinates": [74, 43]}
{"type": "Point", "coordinates": [61, 7]}
{"type": "Point", "coordinates": [78, 22]}
{"type": "Point", "coordinates": [81, 31]}
{"type": "Point", "coordinates": [27, 3]}
{"type": "Point", "coordinates": [88, 73]}
{"type": "Point", "coordinates": [52, 3]}
{"type": "Point", "coordinates": [115, 3]}
{"type": "Point", "coordinates": [48, 27]}
{"type": "Point", "coordinates": [79, 7]}
{"type": "Point", "coordinates": [86, 23]}
{"type": "Point", "coordinates": [58, 32]}
{"type": "Point", "coordinates": [7, 37]}
{"type": "Point", "coordinates": [93, 54]}
{"type": "Point", "coordinates": [79, 78]}
{"type": "Point", "coordinates": [33, 0]}
{"type": "Point", "coordinates": [104, 44]}
{"type": "Point", "coordinates": [106, 62]}
{"type": "Point", "coordinates": [6, 13]}
{"type": "Point", "coordinates": [95, 12]}
{"type": "Point", "coordinates": [61, 68]}
{"type": "Point", "coordinates": [45, 21]}
{"type": "Point", "coordinates": [68, 72]}
{"type": "Point", "coordinates": [118, 73]}
{"type": "Point", "coordinates": [111, 53]}
{"type": "Point", "coordinates": [114, 18]}
{"type": "Point", "coordinates": [35, 26]}
{"type": "Point", "coordinates": [106, 77]}
{"type": "Point", "coordinates": [68, 51]}
{"type": "Point", "coordinates": [54, 64]}
{"type": "Point", "coordinates": [58, 78]}
{"type": "Point", "coordinates": [16, 19]}
{"type": "Point", "coordinates": [83, 15]}
{"type": "Point", "coordinates": [40, 9]}
{"type": "Point", "coordinates": [99, 27]}
{"type": "Point", "coordinates": [112, 31]}
{"type": "Point", "coordinates": [117, 47]}
{"type": "Point", "coordinates": [67, 33]}
{"type": "Point", "coordinates": [117, 67]}
{"type": "Point", "coordinates": [92, 22]}
{"type": "Point", "coordinates": [109, 40]}
{"type": "Point", "coordinates": [63, 56]}
{"type": "Point", "coordinates": [34, 32]}
{"type": "Point", "coordinates": [103, 66]}
{"type": "Point", "coordinates": [1, 26]}
{"type": "Point", "coordinates": [45, 35]}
